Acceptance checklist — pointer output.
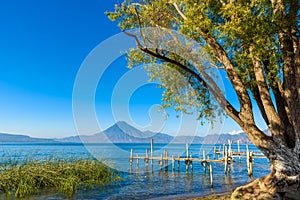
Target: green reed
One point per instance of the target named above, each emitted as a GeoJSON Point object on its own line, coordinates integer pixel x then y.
{"type": "Point", "coordinates": [66, 176]}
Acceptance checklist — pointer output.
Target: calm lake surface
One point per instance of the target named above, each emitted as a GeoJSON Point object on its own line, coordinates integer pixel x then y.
{"type": "Point", "coordinates": [138, 183]}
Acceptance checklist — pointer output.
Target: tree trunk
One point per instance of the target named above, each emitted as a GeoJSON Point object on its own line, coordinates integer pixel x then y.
{"type": "Point", "coordinates": [282, 183]}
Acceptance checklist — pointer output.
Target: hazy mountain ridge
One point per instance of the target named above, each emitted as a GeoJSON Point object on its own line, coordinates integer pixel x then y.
{"type": "Point", "coordinates": [6, 137]}
{"type": "Point", "coordinates": [121, 132]}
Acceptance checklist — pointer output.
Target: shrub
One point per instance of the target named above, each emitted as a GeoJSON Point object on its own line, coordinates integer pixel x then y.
{"type": "Point", "coordinates": [66, 176]}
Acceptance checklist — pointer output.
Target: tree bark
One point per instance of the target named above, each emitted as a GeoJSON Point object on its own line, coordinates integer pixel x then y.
{"type": "Point", "coordinates": [281, 183]}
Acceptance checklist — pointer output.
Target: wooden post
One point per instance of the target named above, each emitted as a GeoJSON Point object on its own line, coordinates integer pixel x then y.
{"type": "Point", "coordinates": [250, 164]}
{"type": "Point", "coordinates": [215, 152]}
{"type": "Point", "coordinates": [207, 158]}
{"type": "Point", "coordinates": [229, 156]}
{"type": "Point", "coordinates": [173, 163]}
{"type": "Point", "coordinates": [229, 162]}
{"type": "Point", "coordinates": [147, 159]}
{"type": "Point", "coordinates": [151, 150]}
{"type": "Point", "coordinates": [137, 161]}
{"type": "Point", "coordinates": [204, 161]}
{"type": "Point", "coordinates": [239, 149]}
{"type": "Point", "coordinates": [225, 159]}
{"type": "Point", "coordinates": [178, 165]}
{"type": "Point", "coordinates": [249, 161]}
{"type": "Point", "coordinates": [161, 161]}
{"type": "Point", "coordinates": [131, 156]}
{"type": "Point", "coordinates": [211, 176]}
{"type": "Point", "coordinates": [230, 148]}
{"type": "Point", "coordinates": [131, 159]}
{"type": "Point", "coordinates": [186, 165]}
{"type": "Point", "coordinates": [187, 150]}
{"type": "Point", "coordinates": [191, 162]}
{"type": "Point", "coordinates": [204, 155]}
{"type": "Point", "coordinates": [166, 160]}
{"type": "Point", "coordinates": [224, 146]}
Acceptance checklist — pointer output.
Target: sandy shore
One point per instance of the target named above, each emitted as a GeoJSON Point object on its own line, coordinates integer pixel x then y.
{"type": "Point", "coordinates": [215, 197]}
{"type": "Point", "coordinates": [220, 196]}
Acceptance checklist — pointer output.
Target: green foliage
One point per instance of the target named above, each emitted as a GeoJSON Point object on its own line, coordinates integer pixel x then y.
{"type": "Point", "coordinates": [244, 29]}
{"type": "Point", "coordinates": [66, 176]}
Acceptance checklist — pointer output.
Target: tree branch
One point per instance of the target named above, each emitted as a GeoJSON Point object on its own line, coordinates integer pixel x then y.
{"type": "Point", "coordinates": [225, 104]}
{"type": "Point", "coordinates": [245, 103]}
{"type": "Point", "coordinates": [138, 44]}
{"type": "Point", "coordinates": [276, 125]}
{"type": "Point", "coordinates": [258, 100]}
{"type": "Point", "coordinates": [241, 91]}
{"type": "Point", "coordinates": [179, 11]}
{"type": "Point", "coordinates": [282, 110]}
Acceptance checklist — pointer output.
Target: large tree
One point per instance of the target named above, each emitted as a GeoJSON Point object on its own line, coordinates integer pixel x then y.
{"type": "Point", "coordinates": [256, 43]}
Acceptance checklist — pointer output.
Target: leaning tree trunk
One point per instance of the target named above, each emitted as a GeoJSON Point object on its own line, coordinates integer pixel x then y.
{"type": "Point", "coordinates": [282, 183]}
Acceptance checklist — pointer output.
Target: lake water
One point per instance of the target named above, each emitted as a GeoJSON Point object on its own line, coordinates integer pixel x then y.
{"type": "Point", "coordinates": [139, 183]}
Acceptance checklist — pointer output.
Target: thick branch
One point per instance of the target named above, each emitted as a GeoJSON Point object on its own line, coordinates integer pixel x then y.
{"type": "Point", "coordinates": [282, 110]}
{"type": "Point", "coordinates": [258, 100]}
{"type": "Point", "coordinates": [241, 91]}
{"type": "Point", "coordinates": [276, 126]}
{"type": "Point", "coordinates": [225, 104]}
{"type": "Point", "coordinates": [246, 113]}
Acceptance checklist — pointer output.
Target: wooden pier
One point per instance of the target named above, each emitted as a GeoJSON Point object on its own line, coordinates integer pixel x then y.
{"type": "Point", "coordinates": [224, 155]}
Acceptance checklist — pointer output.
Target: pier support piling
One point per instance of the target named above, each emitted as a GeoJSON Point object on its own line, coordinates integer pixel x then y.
{"type": "Point", "coordinates": [151, 150]}
{"type": "Point", "coordinates": [166, 162]}
{"type": "Point", "coordinates": [173, 163]}
{"type": "Point", "coordinates": [250, 163]}
{"type": "Point", "coordinates": [204, 161]}
{"type": "Point", "coordinates": [178, 165]}
{"type": "Point", "coordinates": [187, 150]}
{"type": "Point", "coordinates": [239, 149]}
{"type": "Point", "coordinates": [225, 159]}
{"type": "Point", "coordinates": [215, 152]}
{"type": "Point", "coordinates": [211, 176]}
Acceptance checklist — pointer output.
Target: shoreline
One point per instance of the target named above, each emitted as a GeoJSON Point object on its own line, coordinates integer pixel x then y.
{"type": "Point", "coordinates": [220, 196]}
{"type": "Point", "coordinates": [225, 195]}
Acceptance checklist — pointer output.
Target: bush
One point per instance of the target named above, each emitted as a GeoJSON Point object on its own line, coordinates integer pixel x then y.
{"type": "Point", "coordinates": [65, 176]}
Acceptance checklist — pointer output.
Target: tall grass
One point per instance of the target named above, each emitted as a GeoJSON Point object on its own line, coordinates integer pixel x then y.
{"type": "Point", "coordinates": [66, 176]}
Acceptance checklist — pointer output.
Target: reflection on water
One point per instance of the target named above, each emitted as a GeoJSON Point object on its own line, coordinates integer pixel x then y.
{"type": "Point", "coordinates": [152, 183]}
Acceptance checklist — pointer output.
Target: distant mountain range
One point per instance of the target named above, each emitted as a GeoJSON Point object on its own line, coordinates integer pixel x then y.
{"type": "Point", "coordinates": [5, 137]}
{"type": "Point", "coordinates": [121, 132]}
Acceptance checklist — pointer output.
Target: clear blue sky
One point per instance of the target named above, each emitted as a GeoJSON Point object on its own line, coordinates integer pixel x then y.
{"type": "Point", "coordinates": [43, 44]}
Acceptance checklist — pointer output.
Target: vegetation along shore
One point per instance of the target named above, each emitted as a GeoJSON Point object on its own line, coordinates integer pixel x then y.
{"type": "Point", "coordinates": [26, 178]}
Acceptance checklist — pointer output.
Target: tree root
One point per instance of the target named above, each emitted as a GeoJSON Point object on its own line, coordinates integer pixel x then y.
{"type": "Point", "coordinates": [267, 187]}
